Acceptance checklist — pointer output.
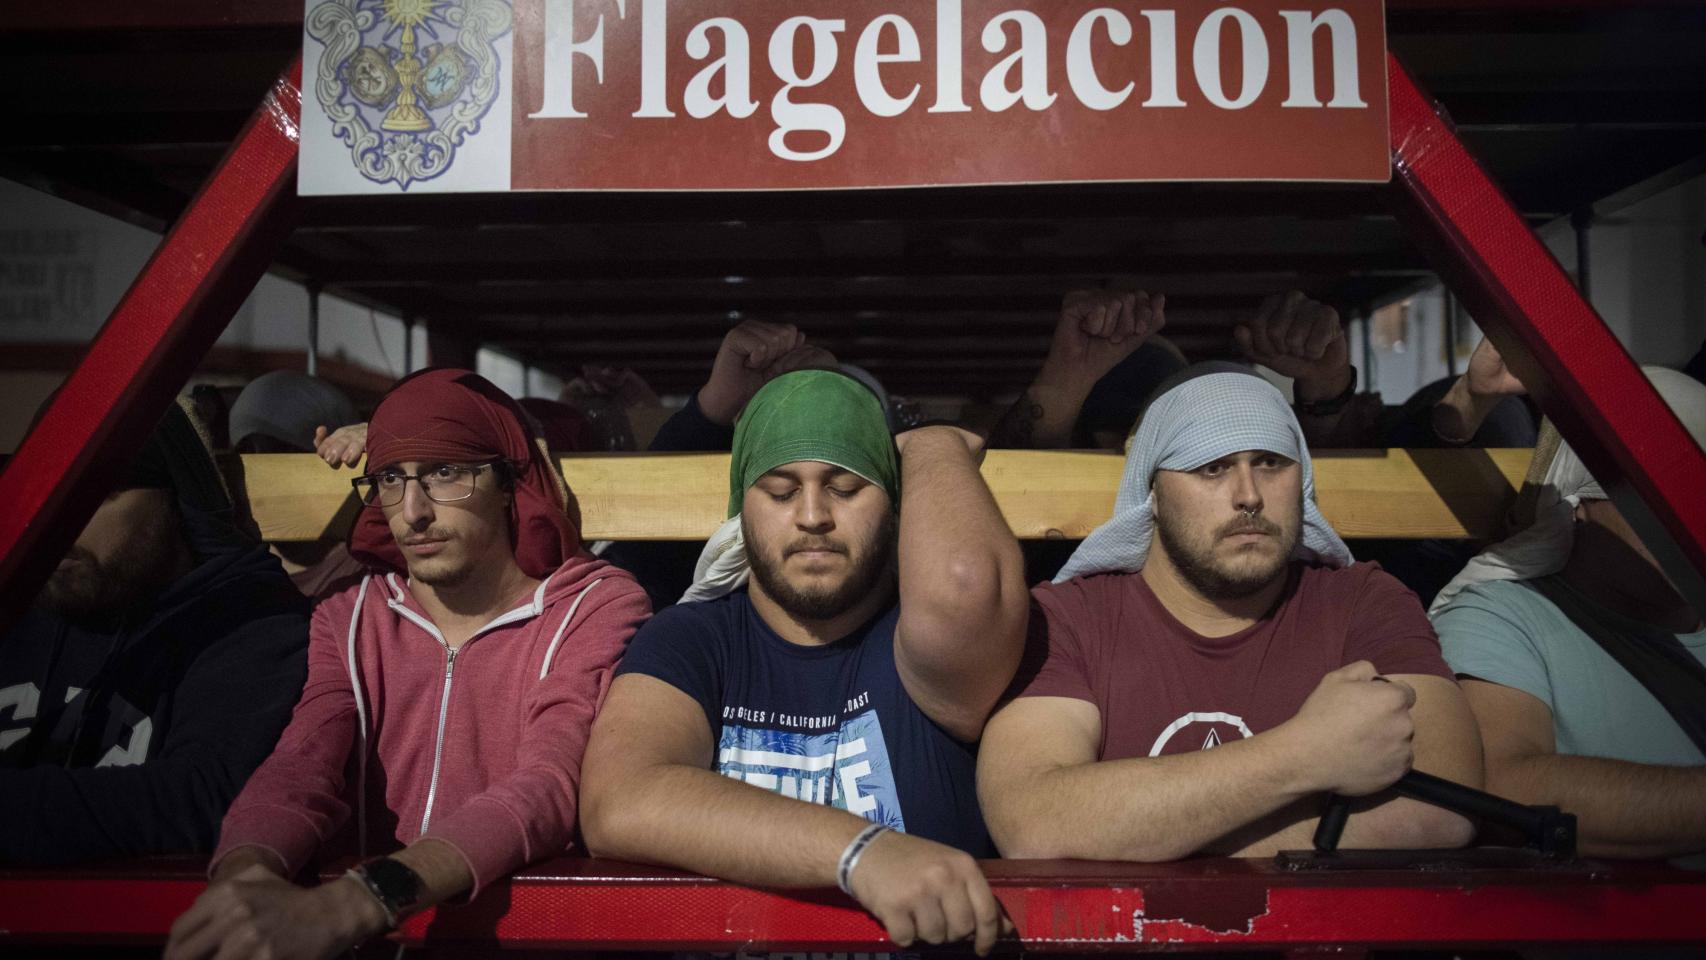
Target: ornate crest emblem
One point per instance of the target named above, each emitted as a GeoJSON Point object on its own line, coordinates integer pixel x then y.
{"type": "Point", "coordinates": [405, 82]}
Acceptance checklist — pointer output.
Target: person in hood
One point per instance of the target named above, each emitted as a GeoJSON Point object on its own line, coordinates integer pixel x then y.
{"type": "Point", "coordinates": [154, 672]}
{"type": "Point", "coordinates": [280, 412]}
{"type": "Point", "coordinates": [1211, 662]}
{"type": "Point", "coordinates": [807, 714]}
{"type": "Point", "coordinates": [449, 694]}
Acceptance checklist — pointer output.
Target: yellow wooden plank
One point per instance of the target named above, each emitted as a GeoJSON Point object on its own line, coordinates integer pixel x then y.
{"type": "Point", "coordinates": [1043, 493]}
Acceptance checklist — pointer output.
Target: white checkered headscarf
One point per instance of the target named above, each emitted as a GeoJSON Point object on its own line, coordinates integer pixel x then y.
{"type": "Point", "coordinates": [1199, 421]}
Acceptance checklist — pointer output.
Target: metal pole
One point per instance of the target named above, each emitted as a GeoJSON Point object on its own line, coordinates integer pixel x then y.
{"type": "Point", "coordinates": [1367, 349]}
{"type": "Point", "coordinates": [1450, 335]}
{"type": "Point", "coordinates": [313, 328]}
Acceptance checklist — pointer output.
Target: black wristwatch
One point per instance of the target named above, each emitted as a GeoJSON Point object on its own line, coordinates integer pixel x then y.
{"type": "Point", "coordinates": [395, 886]}
{"type": "Point", "coordinates": [1331, 405]}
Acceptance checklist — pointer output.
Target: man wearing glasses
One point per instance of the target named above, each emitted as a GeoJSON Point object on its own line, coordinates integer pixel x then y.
{"type": "Point", "coordinates": [449, 695]}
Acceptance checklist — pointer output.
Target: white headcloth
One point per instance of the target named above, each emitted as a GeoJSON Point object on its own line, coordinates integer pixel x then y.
{"type": "Point", "coordinates": [1206, 417]}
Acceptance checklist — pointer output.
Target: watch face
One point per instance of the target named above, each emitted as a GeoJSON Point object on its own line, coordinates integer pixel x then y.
{"type": "Point", "coordinates": [398, 886]}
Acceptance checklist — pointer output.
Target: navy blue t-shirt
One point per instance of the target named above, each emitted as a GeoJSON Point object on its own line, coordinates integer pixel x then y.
{"type": "Point", "coordinates": [831, 724]}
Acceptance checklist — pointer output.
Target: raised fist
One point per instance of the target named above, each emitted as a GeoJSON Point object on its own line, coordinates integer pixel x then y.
{"type": "Point", "coordinates": [1300, 338]}
{"type": "Point", "coordinates": [751, 355]}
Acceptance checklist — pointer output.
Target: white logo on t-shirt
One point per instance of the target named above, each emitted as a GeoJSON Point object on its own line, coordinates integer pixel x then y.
{"type": "Point", "coordinates": [1209, 742]}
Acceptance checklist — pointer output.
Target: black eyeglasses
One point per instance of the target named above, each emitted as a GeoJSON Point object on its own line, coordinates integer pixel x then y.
{"type": "Point", "coordinates": [442, 483]}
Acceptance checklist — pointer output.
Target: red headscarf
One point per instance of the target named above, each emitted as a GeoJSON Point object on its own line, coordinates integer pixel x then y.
{"type": "Point", "coordinates": [454, 416]}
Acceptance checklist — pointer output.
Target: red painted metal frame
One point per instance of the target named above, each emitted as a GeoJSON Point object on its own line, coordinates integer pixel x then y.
{"type": "Point", "coordinates": [157, 335]}
{"type": "Point", "coordinates": [1552, 338]}
{"type": "Point", "coordinates": [1059, 906]}
{"type": "Point", "coordinates": [1548, 334]}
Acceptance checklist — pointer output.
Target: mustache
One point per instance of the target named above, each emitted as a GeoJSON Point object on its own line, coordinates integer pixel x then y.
{"type": "Point", "coordinates": [430, 533]}
{"type": "Point", "coordinates": [1243, 524]}
{"type": "Point", "coordinates": [799, 546]}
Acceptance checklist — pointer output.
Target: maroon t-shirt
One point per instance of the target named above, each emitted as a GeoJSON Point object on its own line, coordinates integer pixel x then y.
{"type": "Point", "coordinates": [1162, 688]}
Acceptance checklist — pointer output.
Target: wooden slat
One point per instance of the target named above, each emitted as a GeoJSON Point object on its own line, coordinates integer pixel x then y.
{"type": "Point", "coordinates": [1044, 494]}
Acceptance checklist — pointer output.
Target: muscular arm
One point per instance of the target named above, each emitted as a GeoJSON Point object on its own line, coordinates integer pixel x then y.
{"type": "Point", "coordinates": [649, 795]}
{"type": "Point", "coordinates": [1447, 745]}
{"type": "Point", "coordinates": [963, 601]}
{"type": "Point", "coordinates": [1622, 809]}
{"type": "Point", "coordinates": [1045, 796]}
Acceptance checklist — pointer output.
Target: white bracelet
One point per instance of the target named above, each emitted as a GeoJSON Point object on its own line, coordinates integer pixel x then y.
{"type": "Point", "coordinates": [850, 856]}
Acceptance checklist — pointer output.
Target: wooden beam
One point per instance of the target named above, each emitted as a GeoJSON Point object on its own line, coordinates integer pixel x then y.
{"type": "Point", "coordinates": [1054, 494]}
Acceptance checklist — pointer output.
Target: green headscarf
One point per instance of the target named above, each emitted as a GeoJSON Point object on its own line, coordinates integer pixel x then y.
{"type": "Point", "coordinates": [813, 415]}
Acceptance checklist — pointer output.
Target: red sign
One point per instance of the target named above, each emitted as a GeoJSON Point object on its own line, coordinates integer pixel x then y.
{"type": "Point", "coordinates": [767, 94]}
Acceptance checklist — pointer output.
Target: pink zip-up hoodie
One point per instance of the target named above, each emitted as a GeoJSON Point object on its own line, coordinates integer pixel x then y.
{"type": "Point", "coordinates": [397, 737]}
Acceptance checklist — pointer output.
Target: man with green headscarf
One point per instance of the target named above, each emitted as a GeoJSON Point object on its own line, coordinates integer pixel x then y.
{"type": "Point", "coordinates": [814, 723]}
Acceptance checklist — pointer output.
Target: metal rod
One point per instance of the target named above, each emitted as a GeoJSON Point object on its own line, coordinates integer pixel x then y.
{"type": "Point", "coordinates": [1466, 800]}
{"type": "Point", "coordinates": [1332, 824]}
{"type": "Point", "coordinates": [1368, 379]}
{"type": "Point", "coordinates": [313, 329]}
{"type": "Point", "coordinates": [1450, 335]}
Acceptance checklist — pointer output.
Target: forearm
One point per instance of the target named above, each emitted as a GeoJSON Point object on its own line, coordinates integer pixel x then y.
{"type": "Point", "coordinates": [1446, 743]}
{"type": "Point", "coordinates": [353, 914]}
{"type": "Point", "coordinates": [1145, 809]}
{"type": "Point", "coordinates": [1460, 413]}
{"type": "Point", "coordinates": [1381, 822]}
{"type": "Point", "coordinates": [701, 821]}
{"type": "Point", "coordinates": [238, 859]}
{"type": "Point", "coordinates": [1043, 416]}
{"type": "Point", "coordinates": [443, 871]}
{"type": "Point", "coordinates": [1622, 809]}
{"type": "Point", "coordinates": [1355, 425]}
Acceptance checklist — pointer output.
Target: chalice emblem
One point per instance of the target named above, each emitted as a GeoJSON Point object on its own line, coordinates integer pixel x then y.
{"type": "Point", "coordinates": [406, 114]}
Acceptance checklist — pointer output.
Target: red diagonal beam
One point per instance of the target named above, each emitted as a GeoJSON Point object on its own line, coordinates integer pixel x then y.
{"type": "Point", "coordinates": [165, 323]}
{"type": "Point", "coordinates": [1549, 335]}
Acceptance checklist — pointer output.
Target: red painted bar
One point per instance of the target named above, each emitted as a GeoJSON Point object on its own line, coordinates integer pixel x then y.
{"type": "Point", "coordinates": [1055, 905]}
{"type": "Point", "coordinates": [157, 335]}
{"type": "Point", "coordinates": [1549, 335]}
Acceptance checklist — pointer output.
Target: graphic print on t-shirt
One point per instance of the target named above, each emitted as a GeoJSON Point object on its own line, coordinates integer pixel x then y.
{"type": "Point", "coordinates": [1201, 731]}
{"type": "Point", "coordinates": [845, 767]}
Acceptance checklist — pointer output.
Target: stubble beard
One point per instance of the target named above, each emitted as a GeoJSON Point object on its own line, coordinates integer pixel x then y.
{"type": "Point", "coordinates": [440, 572]}
{"type": "Point", "coordinates": [1216, 579]}
{"type": "Point", "coordinates": [96, 593]}
{"type": "Point", "coordinates": [868, 568]}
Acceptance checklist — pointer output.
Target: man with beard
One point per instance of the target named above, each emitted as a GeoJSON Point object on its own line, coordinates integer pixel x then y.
{"type": "Point", "coordinates": [152, 675]}
{"type": "Point", "coordinates": [810, 726]}
{"type": "Point", "coordinates": [1200, 690]}
{"type": "Point", "coordinates": [449, 695]}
